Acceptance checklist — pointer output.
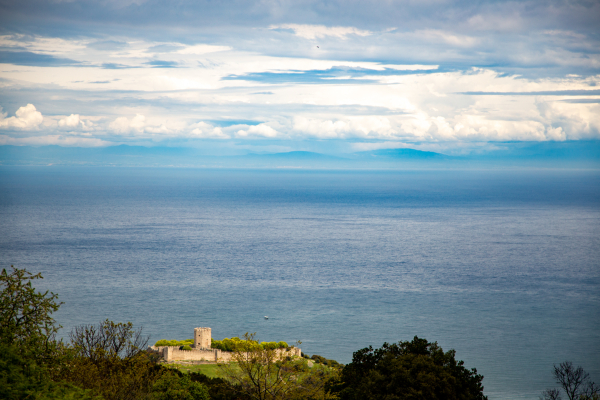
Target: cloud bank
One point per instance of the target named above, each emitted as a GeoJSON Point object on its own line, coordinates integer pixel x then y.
{"type": "Point", "coordinates": [299, 75]}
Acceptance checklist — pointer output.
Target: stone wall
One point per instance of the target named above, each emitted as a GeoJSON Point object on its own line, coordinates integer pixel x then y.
{"type": "Point", "coordinates": [202, 350]}
{"type": "Point", "coordinates": [172, 353]}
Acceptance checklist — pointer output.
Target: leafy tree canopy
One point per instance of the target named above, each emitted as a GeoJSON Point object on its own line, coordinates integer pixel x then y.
{"type": "Point", "coordinates": [26, 314]}
{"type": "Point", "coordinates": [263, 373]}
{"type": "Point", "coordinates": [408, 370]}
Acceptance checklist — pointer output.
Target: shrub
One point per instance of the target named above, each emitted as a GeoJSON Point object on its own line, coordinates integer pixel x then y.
{"type": "Point", "coordinates": [318, 359]}
{"type": "Point", "coordinates": [186, 347]}
{"type": "Point", "coordinates": [231, 344]}
{"type": "Point", "coordinates": [269, 345]}
{"type": "Point", "coordinates": [164, 342]}
{"type": "Point", "coordinates": [226, 344]}
{"type": "Point", "coordinates": [178, 386]}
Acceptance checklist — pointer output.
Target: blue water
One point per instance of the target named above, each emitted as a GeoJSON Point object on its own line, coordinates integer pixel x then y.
{"type": "Point", "coordinates": [503, 266]}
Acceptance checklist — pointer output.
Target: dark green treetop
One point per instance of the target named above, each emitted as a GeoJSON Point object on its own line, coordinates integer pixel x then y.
{"type": "Point", "coordinates": [409, 370]}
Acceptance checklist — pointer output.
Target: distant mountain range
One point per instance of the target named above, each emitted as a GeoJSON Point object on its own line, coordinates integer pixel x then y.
{"type": "Point", "coordinates": [577, 154]}
{"type": "Point", "coordinates": [391, 154]}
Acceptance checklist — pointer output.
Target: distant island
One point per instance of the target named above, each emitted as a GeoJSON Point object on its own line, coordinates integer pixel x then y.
{"type": "Point", "coordinates": [575, 154]}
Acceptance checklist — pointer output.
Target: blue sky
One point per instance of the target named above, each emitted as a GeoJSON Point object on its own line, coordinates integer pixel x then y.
{"type": "Point", "coordinates": [231, 77]}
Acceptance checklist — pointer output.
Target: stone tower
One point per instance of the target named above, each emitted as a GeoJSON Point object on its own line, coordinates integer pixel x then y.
{"type": "Point", "coordinates": [202, 338]}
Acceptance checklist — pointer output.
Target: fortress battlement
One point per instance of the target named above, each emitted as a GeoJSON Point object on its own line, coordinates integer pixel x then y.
{"type": "Point", "coordinates": [202, 350]}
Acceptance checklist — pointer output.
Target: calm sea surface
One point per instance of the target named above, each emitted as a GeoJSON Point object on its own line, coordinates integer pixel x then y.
{"type": "Point", "coordinates": [502, 266]}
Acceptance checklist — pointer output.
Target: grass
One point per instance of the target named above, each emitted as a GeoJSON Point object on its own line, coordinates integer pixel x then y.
{"type": "Point", "coordinates": [210, 370]}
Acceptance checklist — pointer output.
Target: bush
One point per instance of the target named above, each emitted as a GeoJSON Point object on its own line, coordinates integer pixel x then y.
{"type": "Point", "coordinates": [322, 360]}
{"type": "Point", "coordinates": [219, 388]}
{"type": "Point", "coordinates": [165, 342]}
{"type": "Point", "coordinates": [186, 347]}
{"type": "Point", "coordinates": [177, 386]}
{"type": "Point", "coordinates": [226, 344]}
{"type": "Point", "coordinates": [231, 344]}
{"type": "Point", "coordinates": [269, 345]}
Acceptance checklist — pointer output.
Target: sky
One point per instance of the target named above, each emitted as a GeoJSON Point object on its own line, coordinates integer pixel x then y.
{"type": "Point", "coordinates": [233, 77]}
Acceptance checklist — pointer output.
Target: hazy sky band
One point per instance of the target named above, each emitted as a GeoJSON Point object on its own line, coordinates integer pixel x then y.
{"type": "Point", "coordinates": [278, 76]}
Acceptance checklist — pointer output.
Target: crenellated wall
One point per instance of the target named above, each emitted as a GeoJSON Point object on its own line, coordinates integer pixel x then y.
{"type": "Point", "coordinates": [202, 350]}
{"type": "Point", "coordinates": [172, 353]}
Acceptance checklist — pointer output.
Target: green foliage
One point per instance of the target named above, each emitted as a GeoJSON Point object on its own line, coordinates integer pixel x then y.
{"type": "Point", "coordinates": [29, 353]}
{"type": "Point", "coordinates": [165, 342]}
{"type": "Point", "coordinates": [226, 344]}
{"type": "Point", "coordinates": [408, 370]}
{"type": "Point", "coordinates": [259, 372]}
{"type": "Point", "coordinates": [110, 359]}
{"type": "Point", "coordinates": [102, 362]}
{"type": "Point", "coordinates": [270, 345]}
{"type": "Point", "coordinates": [22, 378]}
{"type": "Point", "coordinates": [322, 360]}
{"type": "Point", "coordinates": [25, 315]}
{"type": "Point", "coordinates": [177, 386]}
{"type": "Point", "coordinates": [233, 344]}
{"type": "Point", "coordinates": [218, 388]}
{"type": "Point", "coordinates": [186, 347]}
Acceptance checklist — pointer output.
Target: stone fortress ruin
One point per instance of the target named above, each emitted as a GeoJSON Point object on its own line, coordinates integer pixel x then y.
{"type": "Point", "coordinates": [202, 351]}
{"type": "Point", "coordinates": [202, 338]}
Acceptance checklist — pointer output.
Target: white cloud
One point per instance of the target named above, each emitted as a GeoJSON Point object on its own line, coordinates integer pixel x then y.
{"type": "Point", "coordinates": [453, 39]}
{"type": "Point", "coordinates": [571, 120]}
{"type": "Point", "coordinates": [60, 140]}
{"type": "Point", "coordinates": [207, 131]}
{"type": "Point", "coordinates": [385, 107]}
{"type": "Point", "coordinates": [71, 121]}
{"type": "Point", "coordinates": [362, 146]}
{"type": "Point", "coordinates": [40, 44]}
{"type": "Point", "coordinates": [365, 127]}
{"type": "Point", "coordinates": [160, 129]}
{"type": "Point", "coordinates": [262, 130]}
{"type": "Point", "coordinates": [319, 31]}
{"type": "Point", "coordinates": [26, 118]}
{"type": "Point", "coordinates": [123, 125]}
{"type": "Point", "coordinates": [200, 49]}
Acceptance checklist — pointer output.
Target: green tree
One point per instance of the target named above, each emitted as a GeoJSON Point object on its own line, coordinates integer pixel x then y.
{"type": "Point", "coordinates": [408, 370]}
{"type": "Point", "coordinates": [26, 315]}
{"type": "Point", "coordinates": [219, 388]}
{"type": "Point", "coordinates": [177, 386]}
{"type": "Point", "coordinates": [265, 373]}
{"type": "Point", "coordinates": [111, 359]}
{"type": "Point", "coordinates": [30, 356]}
{"type": "Point", "coordinates": [24, 378]}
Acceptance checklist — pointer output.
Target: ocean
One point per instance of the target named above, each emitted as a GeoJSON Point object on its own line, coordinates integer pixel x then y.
{"type": "Point", "coordinates": [501, 265]}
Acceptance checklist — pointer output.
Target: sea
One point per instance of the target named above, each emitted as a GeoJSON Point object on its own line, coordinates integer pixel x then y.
{"type": "Point", "coordinates": [502, 266]}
